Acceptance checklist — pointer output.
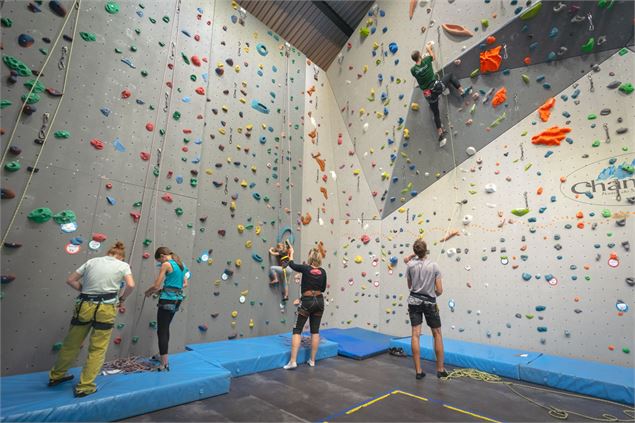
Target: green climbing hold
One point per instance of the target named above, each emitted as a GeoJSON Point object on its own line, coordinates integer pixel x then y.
{"type": "Point", "coordinates": [133, 48]}
{"type": "Point", "coordinates": [135, 339]}
{"type": "Point", "coordinates": [155, 171]}
{"type": "Point", "coordinates": [118, 50]}
{"type": "Point", "coordinates": [62, 134]}
{"type": "Point", "coordinates": [40, 215]}
{"type": "Point", "coordinates": [5, 103]}
{"type": "Point", "coordinates": [193, 182]}
{"type": "Point", "coordinates": [31, 99]}
{"type": "Point", "coordinates": [364, 32]}
{"type": "Point", "coordinates": [137, 31]}
{"type": "Point", "coordinates": [605, 4]}
{"type": "Point", "coordinates": [166, 19]}
{"type": "Point", "coordinates": [525, 78]}
{"type": "Point", "coordinates": [37, 86]}
{"type": "Point", "coordinates": [626, 88]}
{"type": "Point", "coordinates": [520, 212]}
{"type": "Point", "coordinates": [65, 216]}
{"type": "Point", "coordinates": [176, 115]}
{"type": "Point", "coordinates": [137, 204]}
{"type": "Point", "coordinates": [485, 23]}
{"type": "Point", "coordinates": [178, 211]}
{"type": "Point", "coordinates": [622, 51]}
{"type": "Point", "coordinates": [529, 316]}
{"type": "Point", "coordinates": [112, 7]}
{"type": "Point", "coordinates": [591, 116]}
{"type": "Point", "coordinates": [596, 143]}
{"type": "Point", "coordinates": [6, 22]}
{"type": "Point", "coordinates": [531, 12]}
{"type": "Point", "coordinates": [120, 325]}
{"type": "Point", "coordinates": [185, 58]}
{"type": "Point", "coordinates": [57, 346]}
{"type": "Point", "coordinates": [152, 20]}
{"type": "Point", "coordinates": [626, 350]}
{"type": "Point", "coordinates": [628, 168]}
{"type": "Point", "coordinates": [192, 77]}
{"type": "Point", "coordinates": [88, 36]}
{"type": "Point", "coordinates": [475, 73]}
{"type": "Point", "coordinates": [12, 166]}
{"type": "Point", "coordinates": [606, 213]}
{"type": "Point", "coordinates": [144, 73]}
{"type": "Point", "coordinates": [161, 44]}
{"type": "Point", "coordinates": [161, 131]}
{"type": "Point", "coordinates": [44, 51]}
{"type": "Point", "coordinates": [147, 242]}
{"type": "Point", "coordinates": [17, 65]}
{"type": "Point", "coordinates": [588, 46]}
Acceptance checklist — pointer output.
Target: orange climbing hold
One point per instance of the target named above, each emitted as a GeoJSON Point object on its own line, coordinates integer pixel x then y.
{"type": "Point", "coordinates": [539, 191]}
{"type": "Point", "coordinates": [545, 109]}
{"type": "Point", "coordinates": [490, 40]}
{"type": "Point", "coordinates": [321, 162]}
{"type": "Point", "coordinates": [581, 225]}
{"type": "Point", "coordinates": [324, 193]}
{"type": "Point", "coordinates": [579, 215]}
{"type": "Point", "coordinates": [527, 60]}
{"type": "Point", "coordinates": [491, 60]}
{"type": "Point", "coordinates": [552, 136]}
{"type": "Point", "coordinates": [563, 179]}
{"type": "Point", "coordinates": [500, 97]}
{"type": "Point", "coordinates": [306, 219]}
{"type": "Point", "coordinates": [313, 134]}
{"type": "Point", "coordinates": [311, 90]}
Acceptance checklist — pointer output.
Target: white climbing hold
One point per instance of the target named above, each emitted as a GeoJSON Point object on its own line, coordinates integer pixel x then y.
{"type": "Point", "coordinates": [365, 127]}
{"type": "Point", "coordinates": [470, 151]}
{"type": "Point", "coordinates": [467, 219]}
{"type": "Point", "coordinates": [490, 188]}
{"type": "Point", "coordinates": [450, 252]}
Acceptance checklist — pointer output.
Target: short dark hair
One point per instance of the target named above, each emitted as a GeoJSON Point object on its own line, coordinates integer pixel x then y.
{"type": "Point", "coordinates": [416, 55]}
{"type": "Point", "coordinates": [420, 248]}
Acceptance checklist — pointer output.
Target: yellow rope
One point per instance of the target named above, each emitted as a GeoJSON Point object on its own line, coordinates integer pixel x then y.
{"type": "Point", "coordinates": [555, 412]}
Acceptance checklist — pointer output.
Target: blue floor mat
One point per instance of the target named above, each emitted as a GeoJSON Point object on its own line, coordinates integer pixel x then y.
{"type": "Point", "coordinates": [358, 343]}
{"type": "Point", "coordinates": [488, 358]}
{"type": "Point", "coordinates": [251, 355]}
{"type": "Point", "coordinates": [600, 380]}
{"type": "Point", "coordinates": [27, 398]}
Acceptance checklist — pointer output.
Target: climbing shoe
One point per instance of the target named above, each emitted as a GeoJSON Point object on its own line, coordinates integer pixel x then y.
{"type": "Point", "coordinates": [466, 91]}
{"type": "Point", "coordinates": [443, 138]}
{"type": "Point", "coordinates": [61, 380]}
{"type": "Point", "coordinates": [290, 366]}
{"type": "Point", "coordinates": [81, 394]}
{"type": "Point", "coordinates": [397, 352]}
{"type": "Point", "coordinates": [165, 368]}
{"type": "Point", "coordinates": [420, 375]}
{"type": "Point", "coordinates": [442, 373]}
{"type": "Point", "coordinates": [310, 362]}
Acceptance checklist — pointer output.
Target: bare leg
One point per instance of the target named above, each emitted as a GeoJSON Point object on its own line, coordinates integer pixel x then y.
{"type": "Point", "coordinates": [438, 348]}
{"type": "Point", "coordinates": [315, 343]}
{"type": "Point", "coordinates": [416, 348]}
{"type": "Point", "coordinates": [164, 360]}
{"type": "Point", "coordinates": [295, 346]}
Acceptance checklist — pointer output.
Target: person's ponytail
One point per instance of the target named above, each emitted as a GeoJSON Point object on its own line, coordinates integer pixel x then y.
{"type": "Point", "coordinates": [165, 251]}
{"type": "Point", "coordinates": [178, 261]}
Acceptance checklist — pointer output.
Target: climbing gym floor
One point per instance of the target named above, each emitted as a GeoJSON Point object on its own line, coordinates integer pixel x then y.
{"type": "Point", "coordinates": [382, 388]}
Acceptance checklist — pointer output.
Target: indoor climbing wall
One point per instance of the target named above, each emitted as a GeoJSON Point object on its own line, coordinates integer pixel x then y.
{"type": "Point", "coordinates": [173, 123]}
{"type": "Point", "coordinates": [538, 252]}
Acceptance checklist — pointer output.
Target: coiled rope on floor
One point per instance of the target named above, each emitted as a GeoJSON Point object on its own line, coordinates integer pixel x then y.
{"type": "Point", "coordinates": [555, 412]}
{"type": "Point", "coordinates": [133, 364]}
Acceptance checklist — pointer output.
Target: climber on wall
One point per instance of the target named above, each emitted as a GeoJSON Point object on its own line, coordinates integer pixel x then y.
{"type": "Point", "coordinates": [432, 85]}
{"type": "Point", "coordinates": [172, 279]}
{"type": "Point", "coordinates": [280, 272]}
{"type": "Point", "coordinates": [96, 309]}
{"type": "Point", "coordinates": [311, 305]}
{"type": "Point", "coordinates": [424, 283]}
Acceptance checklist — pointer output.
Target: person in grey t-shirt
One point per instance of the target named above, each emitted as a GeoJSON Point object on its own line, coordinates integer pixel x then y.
{"type": "Point", "coordinates": [424, 282]}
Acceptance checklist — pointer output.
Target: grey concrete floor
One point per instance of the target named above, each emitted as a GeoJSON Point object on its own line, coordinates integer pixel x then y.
{"type": "Point", "coordinates": [338, 384]}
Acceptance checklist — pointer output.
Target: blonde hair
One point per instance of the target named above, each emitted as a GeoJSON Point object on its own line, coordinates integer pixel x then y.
{"type": "Point", "coordinates": [315, 258]}
{"type": "Point", "coordinates": [117, 250]}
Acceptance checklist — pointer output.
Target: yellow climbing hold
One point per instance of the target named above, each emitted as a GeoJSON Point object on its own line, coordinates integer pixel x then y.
{"type": "Point", "coordinates": [243, 183]}
{"type": "Point", "coordinates": [241, 229]}
{"type": "Point", "coordinates": [209, 171]}
{"type": "Point", "coordinates": [249, 127]}
{"type": "Point", "coordinates": [414, 106]}
{"type": "Point", "coordinates": [234, 314]}
{"type": "Point", "coordinates": [356, 172]}
{"type": "Point", "coordinates": [358, 259]}
{"type": "Point", "coordinates": [402, 210]}
{"type": "Point", "coordinates": [237, 68]}
{"type": "Point", "coordinates": [251, 323]}
{"type": "Point", "coordinates": [258, 230]}
{"type": "Point", "coordinates": [406, 133]}
{"type": "Point", "coordinates": [249, 244]}
{"type": "Point", "coordinates": [222, 131]}
{"type": "Point", "coordinates": [245, 292]}
{"type": "Point", "coordinates": [238, 262]}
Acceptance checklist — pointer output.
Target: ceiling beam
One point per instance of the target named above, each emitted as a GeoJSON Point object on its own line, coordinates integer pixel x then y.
{"type": "Point", "coordinates": [334, 17]}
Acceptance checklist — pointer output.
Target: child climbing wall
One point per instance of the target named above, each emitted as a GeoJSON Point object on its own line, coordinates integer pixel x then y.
{"type": "Point", "coordinates": [179, 123]}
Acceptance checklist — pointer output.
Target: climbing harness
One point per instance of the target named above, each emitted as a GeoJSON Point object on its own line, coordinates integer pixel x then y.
{"type": "Point", "coordinates": [555, 412]}
{"type": "Point", "coordinates": [590, 18]}
{"type": "Point", "coordinates": [93, 298]}
{"type": "Point", "coordinates": [505, 55]}
{"type": "Point", "coordinates": [591, 86]}
{"type": "Point", "coordinates": [42, 133]}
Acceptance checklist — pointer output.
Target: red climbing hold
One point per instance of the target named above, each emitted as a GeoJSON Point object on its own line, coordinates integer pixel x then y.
{"type": "Point", "coordinates": [500, 97]}
{"type": "Point", "coordinates": [117, 340]}
{"type": "Point", "coordinates": [98, 144]}
{"type": "Point", "coordinates": [169, 84]}
{"type": "Point", "coordinates": [365, 239]}
{"type": "Point", "coordinates": [340, 140]}
{"type": "Point", "coordinates": [527, 60]}
{"type": "Point", "coordinates": [54, 93]}
{"type": "Point", "coordinates": [144, 155]}
{"type": "Point", "coordinates": [187, 131]}
{"type": "Point", "coordinates": [99, 237]}
{"type": "Point", "coordinates": [185, 149]}
{"type": "Point", "coordinates": [135, 216]}
{"type": "Point", "coordinates": [490, 40]}
{"type": "Point", "coordinates": [200, 90]}
{"type": "Point", "coordinates": [195, 60]}
{"type": "Point", "coordinates": [491, 60]}
{"type": "Point", "coordinates": [126, 93]}
{"type": "Point", "coordinates": [108, 185]}
{"type": "Point", "coordinates": [545, 109]}
{"type": "Point", "coordinates": [166, 197]}
{"type": "Point", "coordinates": [170, 174]}
{"type": "Point", "coordinates": [197, 37]}
{"type": "Point", "coordinates": [150, 126]}
{"type": "Point", "coordinates": [552, 136]}
{"type": "Point", "coordinates": [146, 255]}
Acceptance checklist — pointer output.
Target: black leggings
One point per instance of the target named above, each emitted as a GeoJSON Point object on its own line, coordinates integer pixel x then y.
{"type": "Point", "coordinates": [311, 308]}
{"type": "Point", "coordinates": [433, 100]}
{"type": "Point", "coordinates": [164, 318]}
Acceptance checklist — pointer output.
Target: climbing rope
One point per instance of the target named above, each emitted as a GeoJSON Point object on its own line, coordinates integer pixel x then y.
{"type": "Point", "coordinates": [37, 79]}
{"type": "Point", "coordinates": [76, 6]}
{"type": "Point", "coordinates": [555, 412]}
{"type": "Point", "coordinates": [287, 130]}
{"type": "Point", "coordinates": [450, 132]}
{"type": "Point", "coordinates": [133, 364]}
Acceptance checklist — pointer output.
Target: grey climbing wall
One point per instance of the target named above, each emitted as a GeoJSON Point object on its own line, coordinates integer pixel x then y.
{"type": "Point", "coordinates": [144, 106]}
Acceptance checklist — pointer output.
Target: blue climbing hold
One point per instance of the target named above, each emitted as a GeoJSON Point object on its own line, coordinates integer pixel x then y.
{"type": "Point", "coordinates": [111, 200]}
{"type": "Point", "coordinates": [256, 105]}
{"type": "Point", "coordinates": [105, 111]}
{"type": "Point", "coordinates": [25, 40]}
{"type": "Point", "coordinates": [526, 276]}
{"type": "Point", "coordinates": [393, 47]}
{"type": "Point", "coordinates": [262, 49]}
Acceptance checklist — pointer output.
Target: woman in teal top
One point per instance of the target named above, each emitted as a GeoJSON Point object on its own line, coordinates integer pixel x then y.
{"type": "Point", "coordinates": [170, 283]}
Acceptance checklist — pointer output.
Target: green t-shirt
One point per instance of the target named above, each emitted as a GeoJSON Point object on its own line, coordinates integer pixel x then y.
{"type": "Point", "coordinates": [423, 73]}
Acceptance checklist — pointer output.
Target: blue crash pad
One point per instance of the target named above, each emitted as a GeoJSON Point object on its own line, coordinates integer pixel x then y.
{"type": "Point", "coordinates": [251, 355]}
{"type": "Point", "coordinates": [27, 398]}
{"type": "Point", "coordinates": [600, 380]}
{"type": "Point", "coordinates": [358, 343]}
{"type": "Point", "coordinates": [488, 358]}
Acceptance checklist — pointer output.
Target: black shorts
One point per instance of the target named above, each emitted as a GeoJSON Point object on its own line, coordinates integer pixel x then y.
{"type": "Point", "coordinates": [429, 310]}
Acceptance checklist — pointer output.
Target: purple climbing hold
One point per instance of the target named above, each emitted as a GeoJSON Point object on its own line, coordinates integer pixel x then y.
{"type": "Point", "coordinates": [25, 40]}
{"type": "Point", "coordinates": [15, 150]}
{"type": "Point", "coordinates": [57, 8]}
